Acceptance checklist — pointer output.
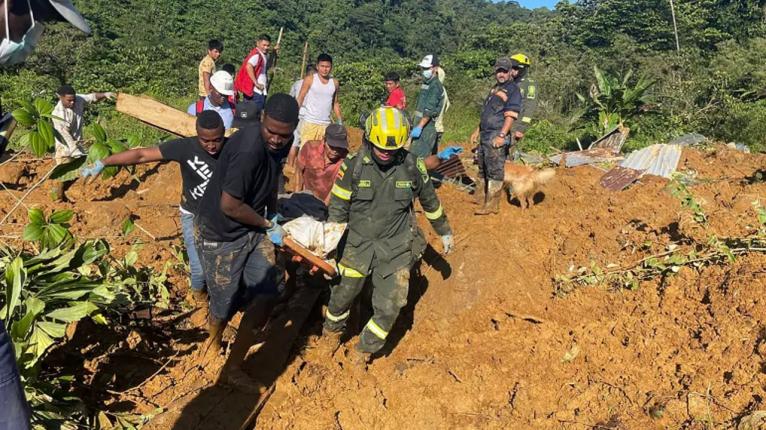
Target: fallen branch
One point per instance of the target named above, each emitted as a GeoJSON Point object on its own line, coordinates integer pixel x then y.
{"type": "Point", "coordinates": [525, 317]}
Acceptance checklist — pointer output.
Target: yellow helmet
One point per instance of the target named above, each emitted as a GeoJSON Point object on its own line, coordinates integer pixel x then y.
{"type": "Point", "coordinates": [522, 59]}
{"type": "Point", "coordinates": [387, 128]}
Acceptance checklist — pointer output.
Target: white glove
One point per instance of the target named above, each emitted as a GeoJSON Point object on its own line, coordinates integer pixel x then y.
{"type": "Point", "coordinates": [110, 95]}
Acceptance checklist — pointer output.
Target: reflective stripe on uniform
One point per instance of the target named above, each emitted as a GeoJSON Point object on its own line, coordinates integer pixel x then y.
{"type": "Point", "coordinates": [349, 272]}
{"type": "Point", "coordinates": [337, 318]}
{"type": "Point", "coordinates": [341, 192]}
{"type": "Point", "coordinates": [376, 329]}
{"type": "Point", "coordinates": [435, 214]}
{"type": "Point", "coordinates": [526, 119]}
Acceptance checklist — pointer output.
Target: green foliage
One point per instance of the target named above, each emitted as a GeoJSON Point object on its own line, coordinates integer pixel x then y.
{"type": "Point", "coordinates": [45, 291]}
{"type": "Point", "coordinates": [102, 148]}
{"type": "Point", "coordinates": [713, 86]}
{"type": "Point", "coordinates": [680, 191]}
{"type": "Point", "coordinates": [36, 116]}
{"type": "Point", "coordinates": [615, 100]}
{"type": "Point", "coordinates": [52, 232]}
{"type": "Point", "coordinates": [544, 136]}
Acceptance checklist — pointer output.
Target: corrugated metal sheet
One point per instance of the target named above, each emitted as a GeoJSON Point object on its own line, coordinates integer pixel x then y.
{"type": "Point", "coordinates": [612, 140]}
{"type": "Point", "coordinates": [660, 160]}
{"type": "Point", "coordinates": [619, 178]}
{"type": "Point", "coordinates": [588, 156]}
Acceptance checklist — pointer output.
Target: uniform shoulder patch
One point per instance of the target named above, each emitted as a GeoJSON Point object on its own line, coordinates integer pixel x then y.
{"type": "Point", "coordinates": [422, 168]}
{"type": "Point", "coordinates": [421, 165]}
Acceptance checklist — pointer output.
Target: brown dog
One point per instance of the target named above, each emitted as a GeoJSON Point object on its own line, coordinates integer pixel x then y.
{"type": "Point", "coordinates": [524, 181]}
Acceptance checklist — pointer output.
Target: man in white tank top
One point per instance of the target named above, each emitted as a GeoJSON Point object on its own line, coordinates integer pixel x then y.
{"type": "Point", "coordinates": [318, 98]}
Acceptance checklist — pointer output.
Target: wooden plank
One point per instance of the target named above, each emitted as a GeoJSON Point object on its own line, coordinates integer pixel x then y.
{"type": "Point", "coordinates": [156, 114]}
{"type": "Point", "coordinates": [304, 253]}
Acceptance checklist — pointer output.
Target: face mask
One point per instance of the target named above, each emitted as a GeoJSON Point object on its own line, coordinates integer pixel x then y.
{"type": "Point", "coordinates": [16, 52]}
{"type": "Point", "coordinates": [428, 73]}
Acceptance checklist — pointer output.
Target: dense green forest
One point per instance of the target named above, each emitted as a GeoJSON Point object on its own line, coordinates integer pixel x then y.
{"type": "Point", "coordinates": [715, 84]}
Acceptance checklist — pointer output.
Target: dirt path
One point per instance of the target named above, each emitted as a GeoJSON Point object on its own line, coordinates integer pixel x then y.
{"type": "Point", "coordinates": [484, 342]}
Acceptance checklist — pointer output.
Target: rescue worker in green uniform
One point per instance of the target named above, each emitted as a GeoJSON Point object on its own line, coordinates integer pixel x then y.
{"type": "Point", "coordinates": [374, 194]}
{"type": "Point", "coordinates": [501, 108]}
{"type": "Point", "coordinates": [428, 109]}
{"type": "Point", "coordinates": [528, 89]}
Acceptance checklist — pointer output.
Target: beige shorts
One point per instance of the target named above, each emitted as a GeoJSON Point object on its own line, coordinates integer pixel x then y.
{"type": "Point", "coordinates": [312, 131]}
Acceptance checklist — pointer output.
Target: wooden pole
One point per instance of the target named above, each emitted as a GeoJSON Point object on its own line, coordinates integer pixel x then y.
{"type": "Point", "coordinates": [675, 26]}
{"type": "Point", "coordinates": [273, 59]}
{"type": "Point", "coordinates": [305, 58]}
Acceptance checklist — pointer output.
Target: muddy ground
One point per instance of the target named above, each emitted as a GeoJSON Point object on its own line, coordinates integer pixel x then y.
{"type": "Point", "coordinates": [484, 342]}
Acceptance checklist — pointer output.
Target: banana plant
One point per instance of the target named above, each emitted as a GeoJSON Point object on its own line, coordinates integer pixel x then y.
{"type": "Point", "coordinates": [613, 100]}
{"type": "Point", "coordinates": [37, 117]}
{"type": "Point", "coordinates": [103, 147]}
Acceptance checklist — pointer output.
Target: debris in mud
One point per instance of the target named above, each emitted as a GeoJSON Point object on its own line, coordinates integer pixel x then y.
{"type": "Point", "coordinates": [754, 421]}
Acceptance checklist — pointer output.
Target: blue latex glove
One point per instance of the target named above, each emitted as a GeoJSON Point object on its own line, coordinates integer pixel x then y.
{"type": "Point", "coordinates": [448, 152]}
{"type": "Point", "coordinates": [93, 170]}
{"type": "Point", "coordinates": [276, 233]}
{"type": "Point", "coordinates": [447, 243]}
{"type": "Point", "coordinates": [416, 132]}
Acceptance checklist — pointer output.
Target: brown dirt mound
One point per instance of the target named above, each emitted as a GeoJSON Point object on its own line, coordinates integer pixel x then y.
{"type": "Point", "coordinates": [484, 342]}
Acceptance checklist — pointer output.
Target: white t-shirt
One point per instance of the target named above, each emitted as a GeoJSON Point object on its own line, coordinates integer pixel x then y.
{"type": "Point", "coordinates": [262, 79]}
{"type": "Point", "coordinates": [68, 124]}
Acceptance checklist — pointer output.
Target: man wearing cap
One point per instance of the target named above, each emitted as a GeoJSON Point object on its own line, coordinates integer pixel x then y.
{"type": "Point", "coordinates": [221, 86]}
{"type": "Point", "coordinates": [246, 115]}
{"type": "Point", "coordinates": [501, 108]}
{"type": "Point", "coordinates": [237, 229]}
{"type": "Point", "coordinates": [68, 121]}
{"type": "Point", "coordinates": [429, 106]}
{"type": "Point", "coordinates": [196, 157]}
{"type": "Point", "coordinates": [320, 160]}
{"type": "Point", "coordinates": [23, 26]}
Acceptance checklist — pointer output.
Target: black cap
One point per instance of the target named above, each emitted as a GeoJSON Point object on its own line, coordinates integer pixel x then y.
{"type": "Point", "coordinates": [247, 114]}
{"type": "Point", "coordinates": [504, 63]}
{"type": "Point", "coordinates": [335, 135]}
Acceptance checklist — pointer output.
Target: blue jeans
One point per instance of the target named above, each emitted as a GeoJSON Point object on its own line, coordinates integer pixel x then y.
{"type": "Point", "coordinates": [258, 99]}
{"type": "Point", "coordinates": [14, 412]}
{"type": "Point", "coordinates": [195, 265]}
{"type": "Point", "coordinates": [238, 271]}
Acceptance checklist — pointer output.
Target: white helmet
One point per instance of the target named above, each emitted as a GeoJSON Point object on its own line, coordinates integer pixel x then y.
{"type": "Point", "coordinates": [223, 83]}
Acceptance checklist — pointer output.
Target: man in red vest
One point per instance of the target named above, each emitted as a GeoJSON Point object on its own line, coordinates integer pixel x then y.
{"type": "Point", "coordinates": [251, 81]}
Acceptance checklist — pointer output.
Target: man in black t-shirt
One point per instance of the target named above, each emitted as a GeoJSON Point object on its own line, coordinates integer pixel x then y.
{"type": "Point", "coordinates": [234, 222]}
{"type": "Point", "coordinates": [197, 158]}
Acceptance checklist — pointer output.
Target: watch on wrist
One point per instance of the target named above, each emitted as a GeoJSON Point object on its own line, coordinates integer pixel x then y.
{"type": "Point", "coordinates": [502, 134]}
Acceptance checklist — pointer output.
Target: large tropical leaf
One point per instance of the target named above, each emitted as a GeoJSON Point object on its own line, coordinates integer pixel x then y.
{"type": "Point", "coordinates": [43, 107]}
{"type": "Point", "coordinates": [61, 216]}
{"type": "Point", "coordinates": [75, 312]}
{"type": "Point", "coordinates": [21, 328]}
{"type": "Point", "coordinates": [15, 277]}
